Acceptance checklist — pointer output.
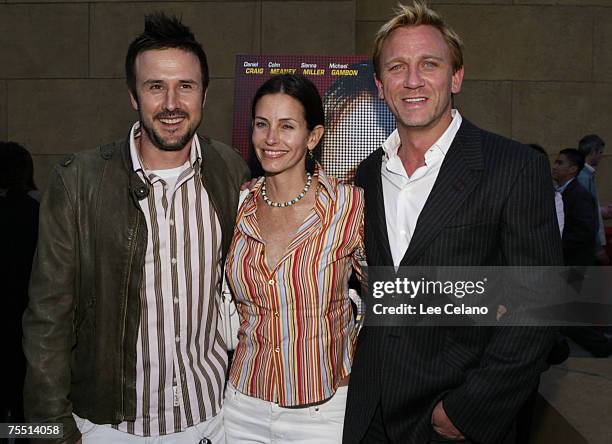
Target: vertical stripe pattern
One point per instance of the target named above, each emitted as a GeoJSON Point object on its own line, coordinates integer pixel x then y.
{"type": "Point", "coordinates": [181, 358]}
{"type": "Point", "coordinates": [297, 332]}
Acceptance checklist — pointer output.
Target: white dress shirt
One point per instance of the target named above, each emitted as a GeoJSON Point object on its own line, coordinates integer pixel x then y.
{"type": "Point", "coordinates": [405, 196]}
{"type": "Point", "coordinates": [560, 211]}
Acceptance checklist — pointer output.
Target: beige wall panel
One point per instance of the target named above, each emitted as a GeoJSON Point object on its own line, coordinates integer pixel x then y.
{"type": "Point", "coordinates": [383, 9]}
{"type": "Point", "coordinates": [505, 43]}
{"type": "Point", "coordinates": [112, 1]}
{"type": "Point", "coordinates": [63, 116]}
{"type": "Point", "coordinates": [224, 29]}
{"type": "Point", "coordinates": [487, 105]}
{"type": "Point", "coordinates": [43, 165]}
{"type": "Point", "coordinates": [308, 27]}
{"type": "Point", "coordinates": [524, 43]}
{"type": "Point", "coordinates": [603, 179]}
{"type": "Point", "coordinates": [557, 115]}
{"type": "Point", "coordinates": [218, 111]}
{"type": "Point", "coordinates": [602, 49]}
{"type": "Point", "coordinates": [43, 40]}
{"type": "Point", "coordinates": [364, 39]}
{"type": "Point", "coordinates": [565, 2]}
{"type": "Point", "coordinates": [3, 116]}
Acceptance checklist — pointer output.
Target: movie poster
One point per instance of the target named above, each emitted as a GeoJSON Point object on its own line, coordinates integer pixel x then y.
{"type": "Point", "coordinates": [356, 120]}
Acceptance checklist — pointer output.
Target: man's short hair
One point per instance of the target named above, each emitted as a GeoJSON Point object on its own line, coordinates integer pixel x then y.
{"type": "Point", "coordinates": [414, 15]}
{"type": "Point", "coordinates": [590, 143]}
{"type": "Point", "coordinates": [574, 157]}
{"type": "Point", "coordinates": [163, 32]}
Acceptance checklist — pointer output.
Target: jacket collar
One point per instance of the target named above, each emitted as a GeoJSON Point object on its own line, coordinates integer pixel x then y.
{"type": "Point", "coordinates": [213, 180]}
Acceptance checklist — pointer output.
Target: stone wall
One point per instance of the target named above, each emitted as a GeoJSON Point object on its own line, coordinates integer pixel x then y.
{"type": "Point", "coordinates": [536, 70]}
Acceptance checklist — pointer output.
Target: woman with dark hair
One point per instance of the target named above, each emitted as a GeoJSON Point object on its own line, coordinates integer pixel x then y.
{"type": "Point", "coordinates": [298, 234]}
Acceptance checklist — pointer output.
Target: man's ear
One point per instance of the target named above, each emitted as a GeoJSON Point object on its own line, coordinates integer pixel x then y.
{"type": "Point", "coordinates": [574, 170]}
{"type": "Point", "coordinates": [379, 87]}
{"type": "Point", "coordinates": [457, 80]}
{"type": "Point", "coordinates": [133, 100]}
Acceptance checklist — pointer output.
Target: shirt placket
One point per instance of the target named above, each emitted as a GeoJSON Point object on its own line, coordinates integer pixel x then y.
{"type": "Point", "coordinates": [178, 303]}
{"type": "Point", "coordinates": [275, 345]}
{"type": "Point", "coordinates": [168, 262]}
{"type": "Point", "coordinates": [174, 321]}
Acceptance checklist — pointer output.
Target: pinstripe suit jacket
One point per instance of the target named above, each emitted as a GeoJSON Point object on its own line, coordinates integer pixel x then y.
{"type": "Point", "coordinates": [492, 204]}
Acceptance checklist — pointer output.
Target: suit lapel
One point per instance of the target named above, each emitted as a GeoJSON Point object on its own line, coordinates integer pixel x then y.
{"type": "Point", "coordinates": [568, 191]}
{"type": "Point", "coordinates": [376, 222]}
{"type": "Point", "coordinates": [458, 177]}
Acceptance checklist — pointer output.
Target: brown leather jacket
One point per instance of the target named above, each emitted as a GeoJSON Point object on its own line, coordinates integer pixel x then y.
{"type": "Point", "coordinates": [81, 325]}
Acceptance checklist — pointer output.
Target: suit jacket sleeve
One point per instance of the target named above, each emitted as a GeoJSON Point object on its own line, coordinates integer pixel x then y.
{"type": "Point", "coordinates": [48, 320]}
{"type": "Point", "coordinates": [587, 181]}
{"type": "Point", "coordinates": [584, 220]}
{"type": "Point", "coordinates": [485, 406]}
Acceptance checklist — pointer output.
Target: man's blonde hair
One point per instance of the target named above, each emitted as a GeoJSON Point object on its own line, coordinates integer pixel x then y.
{"type": "Point", "coordinates": [414, 15]}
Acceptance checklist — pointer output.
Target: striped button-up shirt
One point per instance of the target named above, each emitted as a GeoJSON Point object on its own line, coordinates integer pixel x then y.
{"type": "Point", "coordinates": [297, 332]}
{"type": "Point", "coordinates": [181, 358]}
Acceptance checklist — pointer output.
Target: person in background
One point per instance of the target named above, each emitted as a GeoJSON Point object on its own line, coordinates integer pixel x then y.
{"type": "Point", "coordinates": [592, 148]}
{"type": "Point", "coordinates": [18, 236]}
{"type": "Point", "coordinates": [298, 235]}
{"type": "Point", "coordinates": [580, 241]}
{"type": "Point", "coordinates": [579, 207]}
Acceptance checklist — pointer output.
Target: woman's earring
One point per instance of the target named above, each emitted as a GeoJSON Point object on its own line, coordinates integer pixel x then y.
{"type": "Point", "coordinates": [310, 154]}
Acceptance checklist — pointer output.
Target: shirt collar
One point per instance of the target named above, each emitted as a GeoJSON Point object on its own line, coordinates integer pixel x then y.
{"type": "Point", "coordinates": [195, 155]}
{"type": "Point", "coordinates": [589, 168]}
{"type": "Point", "coordinates": [393, 142]}
{"type": "Point", "coordinates": [562, 188]}
{"type": "Point", "coordinates": [324, 182]}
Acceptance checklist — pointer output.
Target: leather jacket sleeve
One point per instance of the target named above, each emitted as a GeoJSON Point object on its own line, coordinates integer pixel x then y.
{"type": "Point", "coordinates": [48, 320]}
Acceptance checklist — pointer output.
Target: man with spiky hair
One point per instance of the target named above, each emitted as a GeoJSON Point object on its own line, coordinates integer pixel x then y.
{"type": "Point", "coordinates": [121, 334]}
{"type": "Point", "coordinates": [443, 192]}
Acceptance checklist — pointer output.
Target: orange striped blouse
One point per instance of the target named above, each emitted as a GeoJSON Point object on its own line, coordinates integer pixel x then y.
{"type": "Point", "coordinates": [297, 331]}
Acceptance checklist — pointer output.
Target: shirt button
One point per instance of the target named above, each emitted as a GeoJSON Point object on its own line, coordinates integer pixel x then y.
{"type": "Point", "coordinates": [277, 349]}
{"type": "Point", "coordinates": [271, 282]}
{"type": "Point", "coordinates": [171, 222]}
{"type": "Point", "coordinates": [176, 300]}
{"type": "Point", "coordinates": [173, 260]}
{"type": "Point", "coordinates": [276, 314]}
{"type": "Point", "coordinates": [177, 339]}
{"type": "Point", "coordinates": [403, 232]}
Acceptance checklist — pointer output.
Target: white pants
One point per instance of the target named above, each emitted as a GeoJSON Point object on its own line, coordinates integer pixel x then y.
{"type": "Point", "coordinates": [252, 420]}
{"type": "Point", "coordinates": [105, 434]}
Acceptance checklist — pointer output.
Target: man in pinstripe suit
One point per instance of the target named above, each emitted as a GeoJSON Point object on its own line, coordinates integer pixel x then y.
{"type": "Point", "coordinates": [441, 191]}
